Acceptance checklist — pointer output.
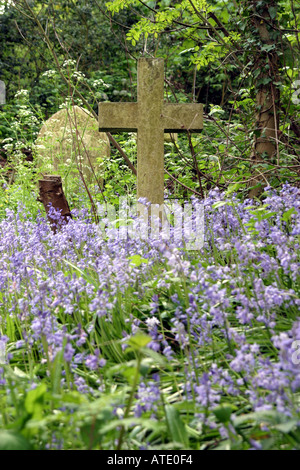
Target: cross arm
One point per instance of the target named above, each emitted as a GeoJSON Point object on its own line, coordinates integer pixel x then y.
{"type": "Point", "coordinates": [177, 117]}
{"type": "Point", "coordinates": [118, 117]}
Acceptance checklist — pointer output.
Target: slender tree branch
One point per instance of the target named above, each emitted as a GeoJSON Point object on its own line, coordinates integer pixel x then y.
{"type": "Point", "coordinates": [183, 185]}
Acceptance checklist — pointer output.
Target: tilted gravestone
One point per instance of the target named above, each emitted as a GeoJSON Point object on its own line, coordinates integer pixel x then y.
{"type": "Point", "coordinates": [151, 118]}
{"type": "Point", "coordinates": [2, 92]}
{"type": "Point", "coordinates": [69, 143]}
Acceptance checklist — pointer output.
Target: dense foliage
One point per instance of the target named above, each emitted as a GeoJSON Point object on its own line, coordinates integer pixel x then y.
{"type": "Point", "coordinates": [241, 59]}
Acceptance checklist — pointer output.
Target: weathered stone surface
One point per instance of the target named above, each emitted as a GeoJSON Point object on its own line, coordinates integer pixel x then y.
{"type": "Point", "coordinates": [70, 142]}
{"type": "Point", "coordinates": [151, 118]}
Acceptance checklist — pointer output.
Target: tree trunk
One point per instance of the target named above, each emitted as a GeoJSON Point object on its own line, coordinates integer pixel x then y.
{"type": "Point", "coordinates": [267, 93]}
{"type": "Point", "coordinates": [51, 194]}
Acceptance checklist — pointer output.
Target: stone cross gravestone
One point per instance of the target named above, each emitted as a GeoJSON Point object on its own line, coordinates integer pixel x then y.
{"type": "Point", "coordinates": [151, 118]}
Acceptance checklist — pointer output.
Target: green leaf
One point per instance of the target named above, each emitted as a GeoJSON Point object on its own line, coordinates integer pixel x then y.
{"type": "Point", "coordinates": [156, 358]}
{"type": "Point", "coordinates": [232, 188]}
{"type": "Point", "coordinates": [138, 341]}
{"type": "Point", "coordinates": [10, 328]}
{"type": "Point", "coordinates": [176, 426]}
{"type": "Point", "coordinates": [219, 204]}
{"type": "Point", "coordinates": [271, 417]}
{"type": "Point", "coordinates": [85, 276]}
{"type": "Point", "coordinates": [187, 50]}
{"type": "Point", "coordinates": [137, 260]}
{"type": "Point", "coordinates": [287, 215]}
{"type": "Point", "coordinates": [10, 440]}
{"type": "Point", "coordinates": [287, 427]}
{"type": "Point", "coordinates": [268, 48]}
{"type": "Point", "coordinates": [144, 369]}
{"type": "Point", "coordinates": [34, 401]}
{"type": "Point", "coordinates": [130, 422]}
{"type": "Point", "coordinates": [268, 215]}
{"type": "Point", "coordinates": [223, 413]}
{"type": "Point", "coordinates": [129, 374]}
{"type": "Point", "coordinates": [73, 398]}
{"type": "Point", "coordinates": [56, 372]}
{"type": "Point", "coordinates": [272, 12]}
{"type": "Point", "coordinates": [20, 373]}
{"type": "Point", "coordinates": [90, 432]}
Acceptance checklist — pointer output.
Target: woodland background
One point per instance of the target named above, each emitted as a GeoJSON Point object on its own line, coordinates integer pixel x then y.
{"type": "Point", "coordinates": [239, 58]}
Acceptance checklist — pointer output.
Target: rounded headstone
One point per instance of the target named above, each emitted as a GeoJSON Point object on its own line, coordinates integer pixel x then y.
{"type": "Point", "coordinates": [69, 143]}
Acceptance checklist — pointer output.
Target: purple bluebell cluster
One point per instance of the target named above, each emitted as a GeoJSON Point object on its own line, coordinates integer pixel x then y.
{"type": "Point", "coordinates": [227, 316]}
